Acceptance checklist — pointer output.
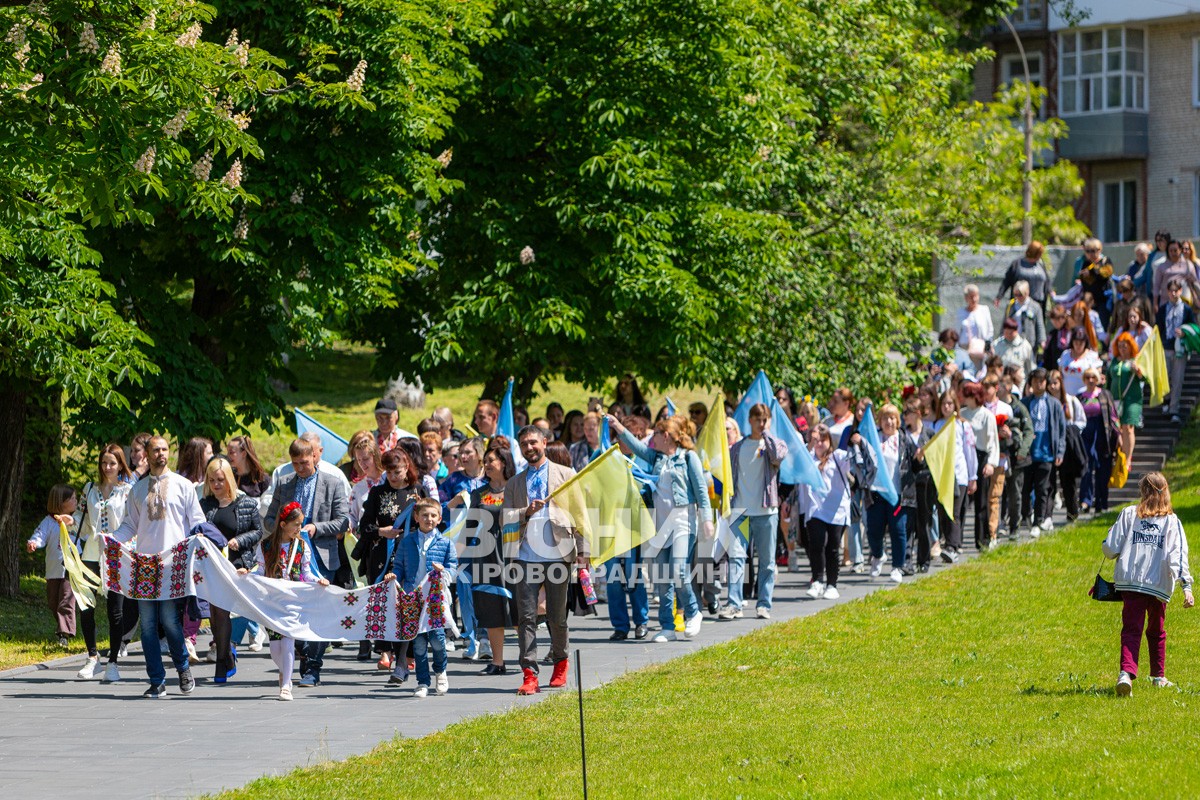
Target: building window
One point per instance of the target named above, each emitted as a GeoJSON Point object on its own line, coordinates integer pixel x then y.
{"type": "Point", "coordinates": [1102, 70]}
{"type": "Point", "coordinates": [1196, 71]}
{"type": "Point", "coordinates": [1027, 14]}
{"type": "Point", "coordinates": [1012, 70]}
{"type": "Point", "coordinates": [1118, 211]}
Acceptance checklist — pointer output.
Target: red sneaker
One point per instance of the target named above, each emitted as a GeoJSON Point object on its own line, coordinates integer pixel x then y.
{"type": "Point", "coordinates": [559, 678]}
{"type": "Point", "coordinates": [530, 686]}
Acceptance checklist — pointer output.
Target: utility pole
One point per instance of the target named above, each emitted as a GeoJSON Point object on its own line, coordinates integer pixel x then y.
{"type": "Point", "coordinates": [1027, 185]}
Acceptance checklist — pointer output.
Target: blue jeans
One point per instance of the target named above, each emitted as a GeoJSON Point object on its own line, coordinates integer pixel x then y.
{"type": "Point", "coordinates": [168, 614]}
{"type": "Point", "coordinates": [762, 541]}
{"type": "Point", "coordinates": [671, 574]}
{"type": "Point", "coordinates": [855, 537]}
{"type": "Point", "coordinates": [240, 627]}
{"type": "Point", "coordinates": [314, 657]}
{"type": "Point", "coordinates": [434, 640]}
{"type": "Point", "coordinates": [621, 580]}
{"type": "Point", "coordinates": [882, 515]}
{"type": "Point", "coordinates": [466, 606]}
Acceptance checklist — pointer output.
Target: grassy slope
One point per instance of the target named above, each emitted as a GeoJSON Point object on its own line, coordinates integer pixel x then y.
{"type": "Point", "coordinates": [993, 679]}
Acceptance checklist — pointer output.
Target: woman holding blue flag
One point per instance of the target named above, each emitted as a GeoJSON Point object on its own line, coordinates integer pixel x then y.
{"type": "Point", "coordinates": [681, 504]}
{"type": "Point", "coordinates": [385, 517]}
{"type": "Point", "coordinates": [897, 451]}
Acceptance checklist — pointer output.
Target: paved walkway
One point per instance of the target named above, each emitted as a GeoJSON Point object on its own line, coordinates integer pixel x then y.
{"type": "Point", "coordinates": [64, 738]}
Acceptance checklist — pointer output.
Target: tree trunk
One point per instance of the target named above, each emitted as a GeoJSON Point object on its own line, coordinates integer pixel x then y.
{"type": "Point", "coordinates": [12, 485]}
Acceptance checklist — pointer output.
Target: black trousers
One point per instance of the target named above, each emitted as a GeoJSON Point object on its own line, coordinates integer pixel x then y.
{"type": "Point", "coordinates": [922, 522]}
{"type": "Point", "coordinates": [824, 549]}
{"type": "Point", "coordinates": [983, 490]}
{"type": "Point", "coordinates": [1039, 497]}
{"type": "Point", "coordinates": [122, 619]}
{"type": "Point", "coordinates": [951, 529]}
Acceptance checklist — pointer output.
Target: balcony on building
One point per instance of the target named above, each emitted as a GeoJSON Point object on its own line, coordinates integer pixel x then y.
{"type": "Point", "coordinates": [1102, 93]}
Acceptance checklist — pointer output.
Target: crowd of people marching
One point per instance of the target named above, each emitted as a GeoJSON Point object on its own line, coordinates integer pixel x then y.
{"type": "Point", "coordinates": [1041, 410]}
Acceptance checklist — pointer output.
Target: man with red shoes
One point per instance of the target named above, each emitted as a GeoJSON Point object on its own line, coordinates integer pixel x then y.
{"type": "Point", "coordinates": [540, 544]}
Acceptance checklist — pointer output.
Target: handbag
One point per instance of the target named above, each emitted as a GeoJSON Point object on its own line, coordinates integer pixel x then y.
{"type": "Point", "coordinates": [1102, 590]}
{"type": "Point", "coordinates": [1120, 470]}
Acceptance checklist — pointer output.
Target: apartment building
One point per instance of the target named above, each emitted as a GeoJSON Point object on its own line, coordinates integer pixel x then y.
{"type": "Point", "coordinates": [1126, 80]}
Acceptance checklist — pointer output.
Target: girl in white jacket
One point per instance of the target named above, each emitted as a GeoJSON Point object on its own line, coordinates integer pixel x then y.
{"type": "Point", "coordinates": [1152, 553]}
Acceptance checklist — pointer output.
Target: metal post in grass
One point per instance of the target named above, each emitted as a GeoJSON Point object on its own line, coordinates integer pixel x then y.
{"type": "Point", "coordinates": [582, 745]}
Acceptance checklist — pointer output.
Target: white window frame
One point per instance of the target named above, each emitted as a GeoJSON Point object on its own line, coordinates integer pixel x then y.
{"type": "Point", "coordinates": [1011, 63]}
{"type": "Point", "coordinates": [1020, 16]}
{"type": "Point", "coordinates": [1196, 205]}
{"type": "Point", "coordinates": [1196, 72]}
{"type": "Point", "coordinates": [1071, 77]}
{"type": "Point", "coordinates": [1102, 231]}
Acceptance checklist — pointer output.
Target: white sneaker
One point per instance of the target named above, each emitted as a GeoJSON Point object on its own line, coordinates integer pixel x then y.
{"type": "Point", "coordinates": [1124, 684]}
{"type": "Point", "coordinates": [817, 589]}
{"type": "Point", "coordinates": [831, 593]}
{"type": "Point", "coordinates": [1161, 682]}
{"type": "Point", "coordinates": [897, 576]}
{"type": "Point", "coordinates": [665, 636]}
{"type": "Point", "coordinates": [421, 691]}
{"type": "Point", "coordinates": [89, 670]}
{"type": "Point", "coordinates": [1058, 501]}
{"type": "Point", "coordinates": [1035, 532]}
{"type": "Point", "coordinates": [794, 561]}
{"type": "Point", "coordinates": [935, 550]}
{"type": "Point", "coordinates": [485, 649]}
{"type": "Point", "coordinates": [1047, 525]}
{"type": "Point", "coordinates": [285, 693]}
{"type": "Point", "coordinates": [450, 648]}
{"type": "Point", "coordinates": [441, 683]}
{"type": "Point", "coordinates": [691, 626]}
{"type": "Point", "coordinates": [730, 612]}
{"type": "Point", "coordinates": [124, 651]}
{"type": "Point", "coordinates": [876, 566]}
{"type": "Point", "coordinates": [762, 613]}
{"type": "Point", "coordinates": [259, 639]}
{"type": "Point", "coordinates": [111, 673]}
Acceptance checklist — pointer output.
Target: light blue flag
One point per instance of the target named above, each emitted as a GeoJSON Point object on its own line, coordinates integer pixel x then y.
{"type": "Point", "coordinates": [605, 436]}
{"type": "Point", "coordinates": [334, 445]}
{"type": "Point", "coordinates": [670, 407]}
{"type": "Point", "coordinates": [507, 428]}
{"type": "Point", "coordinates": [883, 477]}
{"type": "Point", "coordinates": [798, 467]}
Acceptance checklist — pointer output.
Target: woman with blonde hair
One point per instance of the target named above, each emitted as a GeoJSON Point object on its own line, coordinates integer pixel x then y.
{"type": "Point", "coordinates": [681, 508]}
{"type": "Point", "coordinates": [1151, 550]}
{"type": "Point", "coordinates": [235, 514]}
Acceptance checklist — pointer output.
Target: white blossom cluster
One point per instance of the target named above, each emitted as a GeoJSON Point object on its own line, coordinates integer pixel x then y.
{"type": "Point", "coordinates": [297, 196]}
{"type": "Point", "coordinates": [232, 41]}
{"type": "Point", "coordinates": [527, 255]}
{"type": "Point", "coordinates": [111, 65]}
{"type": "Point", "coordinates": [87, 40]}
{"type": "Point", "coordinates": [445, 156]}
{"type": "Point", "coordinates": [174, 126]}
{"type": "Point", "coordinates": [203, 168]}
{"type": "Point", "coordinates": [146, 162]}
{"type": "Point", "coordinates": [750, 99]}
{"type": "Point", "coordinates": [16, 35]}
{"type": "Point", "coordinates": [242, 229]}
{"type": "Point", "coordinates": [34, 81]}
{"type": "Point", "coordinates": [243, 53]}
{"type": "Point", "coordinates": [22, 55]}
{"type": "Point", "coordinates": [241, 120]}
{"type": "Point", "coordinates": [191, 36]}
{"type": "Point", "coordinates": [764, 152]}
{"type": "Point", "coordinates": [149, 22]}
{"type": "Point", "coordinates": [357, 77]}
{"type": "Point", "coordinates": [233, 178]}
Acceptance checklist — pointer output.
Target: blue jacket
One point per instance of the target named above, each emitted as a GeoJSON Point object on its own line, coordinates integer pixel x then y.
{"type": "Point", "coordinates": [407, 559]}
{"type": "Point", "coordinates": [1051, 444]}
{"type": "Point", "coordinates": [688, 484]}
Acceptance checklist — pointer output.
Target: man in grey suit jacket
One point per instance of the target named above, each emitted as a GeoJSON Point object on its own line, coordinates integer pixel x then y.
{"type": "Point", "coordinates": [326, 519]}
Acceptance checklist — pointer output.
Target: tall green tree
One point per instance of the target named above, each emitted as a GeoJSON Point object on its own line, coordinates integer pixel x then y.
{"type": "Point", "coordinates": [104, 108]}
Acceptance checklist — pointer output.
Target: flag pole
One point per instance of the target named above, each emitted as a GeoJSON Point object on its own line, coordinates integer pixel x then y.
{"type": "Point", "coordinates": [582, 746]}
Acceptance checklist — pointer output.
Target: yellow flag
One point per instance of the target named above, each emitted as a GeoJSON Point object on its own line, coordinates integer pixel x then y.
{"type": "Point", "coordinates": [350, 543]}
{"type": "Point", "coordinates": [1153, 361]}
{"type": "Point", "coordinates": [939, 457]}
{"type": "Point", "coordinates": [604, 504]}
{"type": "Point", "coordinates": [84, 582]}
{"type": "Point", "coordinates": [714, 449]}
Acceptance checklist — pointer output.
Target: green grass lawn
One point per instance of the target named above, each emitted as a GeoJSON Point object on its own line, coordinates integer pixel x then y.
{"type": "Point", "coordinates": [993, 679]}
{"type": "Point", "coordinates": [27, 635]}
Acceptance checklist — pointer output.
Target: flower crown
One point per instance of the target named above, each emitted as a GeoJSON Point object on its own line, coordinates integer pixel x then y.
{"type": "Point", "coordinates": [289, 508]}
